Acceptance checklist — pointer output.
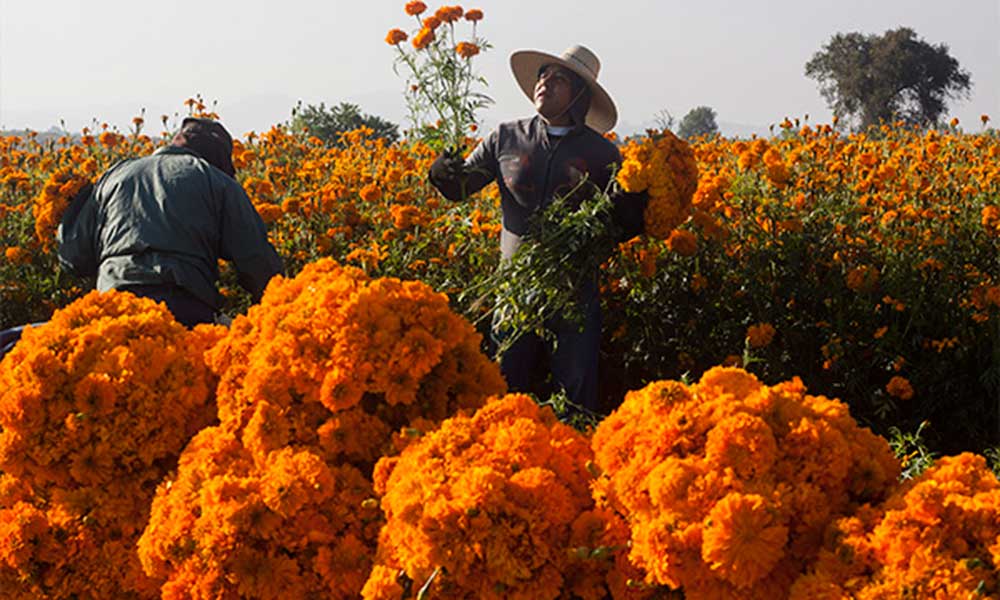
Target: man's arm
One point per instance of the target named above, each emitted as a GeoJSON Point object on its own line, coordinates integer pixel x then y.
{"type": "Point", "coordinates": [245, 243]}
{"type": "Point", "coordinates": [77, 234]}
{"type": "Point", "coordinates": [457, 180]}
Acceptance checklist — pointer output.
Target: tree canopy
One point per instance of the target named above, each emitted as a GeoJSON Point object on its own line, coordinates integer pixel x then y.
{"type": "Point", "coordinates": [868, 79]}
{"type": "Point", "coordinates": [697, 122]}
{"type": "Point", "coordinates": [328, 123]}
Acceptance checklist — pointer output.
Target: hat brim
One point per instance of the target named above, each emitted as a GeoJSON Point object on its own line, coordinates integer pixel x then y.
{"type": "Point", "coordinates": [525, 64]}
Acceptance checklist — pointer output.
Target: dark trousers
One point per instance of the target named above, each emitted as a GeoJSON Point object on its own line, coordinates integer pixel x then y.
{"type": "Point", "coordinates": [185, 306]}
{"type": "Point", "coordinates": [573, 363]}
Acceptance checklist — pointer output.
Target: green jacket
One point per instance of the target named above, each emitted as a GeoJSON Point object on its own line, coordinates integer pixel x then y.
{"type": "Point", "coordinates": [167, 218]}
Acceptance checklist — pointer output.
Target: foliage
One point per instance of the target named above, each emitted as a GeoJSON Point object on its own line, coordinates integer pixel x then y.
{"type": "Point", "coordinates": [699, 121]}
{"type": "Point", "coordinates": [911, 451]}
{"type": "Point", "coordinates": [442, 88]}
{"type": "Point", "coordinates": [872, 256]}
{"type": "Point", "coordinates": [880, 78]}
{"type": "Point", "coordinates": [330, 124]}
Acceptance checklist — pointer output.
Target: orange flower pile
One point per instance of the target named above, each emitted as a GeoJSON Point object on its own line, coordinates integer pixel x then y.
{"type": "Point", "coordinates": [95, 407]}
{"type": "Point", "coordinates": [728, 484]}
{"type": "Point", "coordinates": [345, 361]}
{"type": "Point", "coordinates": [490, 506]}
{"type": "Point", "coordinates": [239, 521]}
{"type": "Point", "coordinates": [936, 537]}
{"type": "Point", "coordinates": [275, 502]}
{"type": "Point", "coordinates": [664, 166]}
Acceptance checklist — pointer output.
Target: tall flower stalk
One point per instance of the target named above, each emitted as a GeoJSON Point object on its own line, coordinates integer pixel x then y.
{"type": "Point", "coordinates": [443, 92]}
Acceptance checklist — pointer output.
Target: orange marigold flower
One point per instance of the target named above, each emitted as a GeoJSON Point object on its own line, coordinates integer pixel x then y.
{"type": "Point", "coordinates": [395, 36]}
{"type": "Point", "coordinates": [415, 8]}
{"type": "Point", "coordinates": [370, 193]}
{"type": "Point", "coordinates": [449, 14]}
{"type": "Point", "coordinates": [760, 335]}
{"type": "Point", "coordinates": [991, 218]}
{"type": "Point", "coordinates": [742, 541]}
{"type": "Point", "coordinates": [467, 49]}
{"type": "Point", "coordinates": [899, 387]}
{"type": "Point", "coordinates": [474, 14]}
{"type": "Point", "coordinates": [683, 242]}
{"type": "Point", "coordinates": [862, 279]}
{"type": "Point", "coordinates": [423, 38]}
{"type": "Point", "coordinates": [432, 22]}
{"type": "Point", "coordinates": [17, 255]}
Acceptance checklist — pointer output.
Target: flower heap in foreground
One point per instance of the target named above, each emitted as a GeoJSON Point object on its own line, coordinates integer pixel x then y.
{"type": "Point", "coordinates": [664, 166]}
{"type": "Point", "coordinates": [938, 536]}
{"type": "Point", "coordinates": [496, 505]}
{"type": "Point", "coordinates": [95, 407]}
{"type": "Point", "coordinates": [728, 484]}
{"type": "Point", "coordinates": [328, 373]}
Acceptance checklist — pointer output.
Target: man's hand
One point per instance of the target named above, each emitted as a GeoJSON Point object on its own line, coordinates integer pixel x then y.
{"type": "Point", "coordinates": [448, 166]}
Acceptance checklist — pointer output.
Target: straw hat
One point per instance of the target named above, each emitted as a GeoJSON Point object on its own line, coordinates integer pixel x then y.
{"type": "Point", "coordinates": [578, 59]}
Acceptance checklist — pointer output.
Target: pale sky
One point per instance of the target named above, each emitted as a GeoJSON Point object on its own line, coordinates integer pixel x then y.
{"type": "Point", "coordinates": [106, 59]}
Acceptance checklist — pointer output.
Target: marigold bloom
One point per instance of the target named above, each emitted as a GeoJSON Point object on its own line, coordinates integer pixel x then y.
{"type": "Point", "coordinates": [899, 387]}
{"type": "Point", "coordinates": [395, 37]}
{"type": "Point", "coordinates": [760, 335]}
{"type": "Point", "coordinates": [474, 15]}
{"type": "Point", "coordinates": [466, 49]}
{"type": "Point", "coordinates": [683, 242]}
{"type": "Point", "coordinates": [17, 255]}
{"type": "Point", "coordinates": [415, 7]}
{"type": "Point", "coordinates": [742, 542]}
{"type": "Point", "coordinates": [449, 14]}
{"type": "Point", "coordinates": [423, 38]}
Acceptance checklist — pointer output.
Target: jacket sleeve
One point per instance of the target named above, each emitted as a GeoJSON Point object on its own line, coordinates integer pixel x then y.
{"type": "Point", "coordinates": [479, 170]}
{"type": "Point", "coordinates": [77, 234]}
{"type": "Point", "coordinates": [244, 242]}
{"type": "Point", "coordinates": [629, 209]}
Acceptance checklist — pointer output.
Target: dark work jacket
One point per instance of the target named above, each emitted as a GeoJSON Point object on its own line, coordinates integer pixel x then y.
{"type": "Point", "coordinates": [531, 171]}
{"type": "Point", "coordinates": [167, 218]}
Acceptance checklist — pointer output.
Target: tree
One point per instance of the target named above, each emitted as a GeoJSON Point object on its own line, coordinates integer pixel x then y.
{"type": "Point", "coordinates": [697, 122]}
{"type": "Point", "coordinates": [328, 123]}
{"type": "Point", "coordinates": [874, 78]}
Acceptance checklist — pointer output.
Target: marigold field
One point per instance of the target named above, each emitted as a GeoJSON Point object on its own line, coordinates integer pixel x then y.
{"type": "Point", "coordinates": [820, 298]}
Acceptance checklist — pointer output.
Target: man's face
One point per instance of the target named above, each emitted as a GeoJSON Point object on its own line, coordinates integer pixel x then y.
{"type": "Point", "coordinates": [553, 92]}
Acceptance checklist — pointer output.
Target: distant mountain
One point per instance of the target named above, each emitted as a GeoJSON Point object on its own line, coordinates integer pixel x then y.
{"type": "Point", "coordinates": [50, 134]}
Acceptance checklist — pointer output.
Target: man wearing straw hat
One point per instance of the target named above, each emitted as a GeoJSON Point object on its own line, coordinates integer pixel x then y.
{"type": "Point", "coordinates": [535, 160]}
